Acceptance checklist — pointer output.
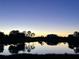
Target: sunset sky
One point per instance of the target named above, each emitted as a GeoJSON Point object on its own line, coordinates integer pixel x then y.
{"type": "Point", "coordinates": [40, 16]}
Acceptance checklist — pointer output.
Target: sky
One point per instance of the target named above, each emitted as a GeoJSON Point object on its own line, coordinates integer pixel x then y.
{"type": "Point", "coordinates": [42, 17]}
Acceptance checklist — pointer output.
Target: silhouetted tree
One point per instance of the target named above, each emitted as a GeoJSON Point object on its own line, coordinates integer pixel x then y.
{"type": "Point", "coordinates": [6, 40]}
{"type": "Point", "coordinates": [30, 34]}
{"type": "Point", "coordinates": [17, 37]}
{"type": "Point", "coordinates": [52, 38]}
{"type": "Point", "coordinates": [2, 37]}
{"type": "Point", "coordinates": [76, 34]}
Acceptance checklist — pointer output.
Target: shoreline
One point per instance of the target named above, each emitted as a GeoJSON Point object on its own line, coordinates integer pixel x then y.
{"type": "Point", "coordinates": [40, 55]}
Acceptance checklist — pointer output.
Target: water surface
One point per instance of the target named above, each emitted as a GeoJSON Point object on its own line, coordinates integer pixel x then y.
{"type": "Point", "coordinates": [43, 48]}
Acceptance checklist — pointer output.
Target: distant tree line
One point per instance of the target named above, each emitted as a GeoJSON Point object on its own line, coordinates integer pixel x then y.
{"type": "Point", "coordinates": [15, 37]}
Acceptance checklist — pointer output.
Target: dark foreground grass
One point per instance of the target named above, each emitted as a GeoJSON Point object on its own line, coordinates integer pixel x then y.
{"type": "Point", "coordinates": [35, 56]}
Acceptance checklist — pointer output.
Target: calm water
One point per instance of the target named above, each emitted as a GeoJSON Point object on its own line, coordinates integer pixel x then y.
{"type": "Point", "coordinates": [37, 48]}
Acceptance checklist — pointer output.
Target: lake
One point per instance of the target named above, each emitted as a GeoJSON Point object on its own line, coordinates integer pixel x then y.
{"type": "Point", "coordinates": [38, 48]}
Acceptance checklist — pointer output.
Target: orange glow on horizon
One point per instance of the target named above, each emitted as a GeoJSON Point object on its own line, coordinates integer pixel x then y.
{"type": "Point", "coordinates": [46, 33]}
{"type": "Point", "coordinates": [37, 33]}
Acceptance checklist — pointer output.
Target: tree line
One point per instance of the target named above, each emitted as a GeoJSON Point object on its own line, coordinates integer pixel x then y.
{"type": "Point", "coordinates": [15, 37]}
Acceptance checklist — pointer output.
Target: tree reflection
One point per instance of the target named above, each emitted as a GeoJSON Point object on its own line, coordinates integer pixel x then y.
{"type": "Point", "coordinates": [12, 49]}
{"type": "Point", "coordinates": [74, 46]}
{"type": "Point", "coordinates": [16, 48]}
{"type": "Point", "coordinates": [30, 47]}
{"type": "Point", "coordinates": [76, 50]}
{"type": "Point", "coordinates": [21, 47]}
{"type": "Point", "coordinates": [41, 42]}
{"type": "Point", "coordinates": [50, 43]}
{"type": "Point", "coordinates": [1, 47]}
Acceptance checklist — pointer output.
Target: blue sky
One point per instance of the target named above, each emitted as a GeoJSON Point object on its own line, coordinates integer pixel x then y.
{"type": "Point", "coordinates": [40, 16]}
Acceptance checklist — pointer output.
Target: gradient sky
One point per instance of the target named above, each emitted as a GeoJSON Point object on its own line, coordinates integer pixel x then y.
{"type": "Point", "coordinates": [40, 16]}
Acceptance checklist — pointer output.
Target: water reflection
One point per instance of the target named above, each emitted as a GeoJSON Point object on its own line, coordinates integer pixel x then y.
{"type": "Point", "coordinates": [41, 42]}
{"type": "Point", "coordinates": [1, 47]}
{"type": "Point", "coordinates": [74, 46]}
{"type": "Point", "coordinates": [42, 48]}
{"type": "Point", "coordinates": [30, 47]}
{"type": "Point", "coordinates": [50, 43]}
{"type": "Point", "coordinates": [16, 48]}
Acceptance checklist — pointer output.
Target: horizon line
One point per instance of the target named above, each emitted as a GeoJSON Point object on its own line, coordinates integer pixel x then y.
{"type": "Point", "coordinates": [37, 34]}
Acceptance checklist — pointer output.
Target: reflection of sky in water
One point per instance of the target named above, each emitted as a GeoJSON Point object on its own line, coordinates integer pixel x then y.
{"type": "Point", "coordinates": [45, 49]}
{"type": "Point", "coordinates": [6, 52]}
{"type": "Point", "coordinates": [61, 48]}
